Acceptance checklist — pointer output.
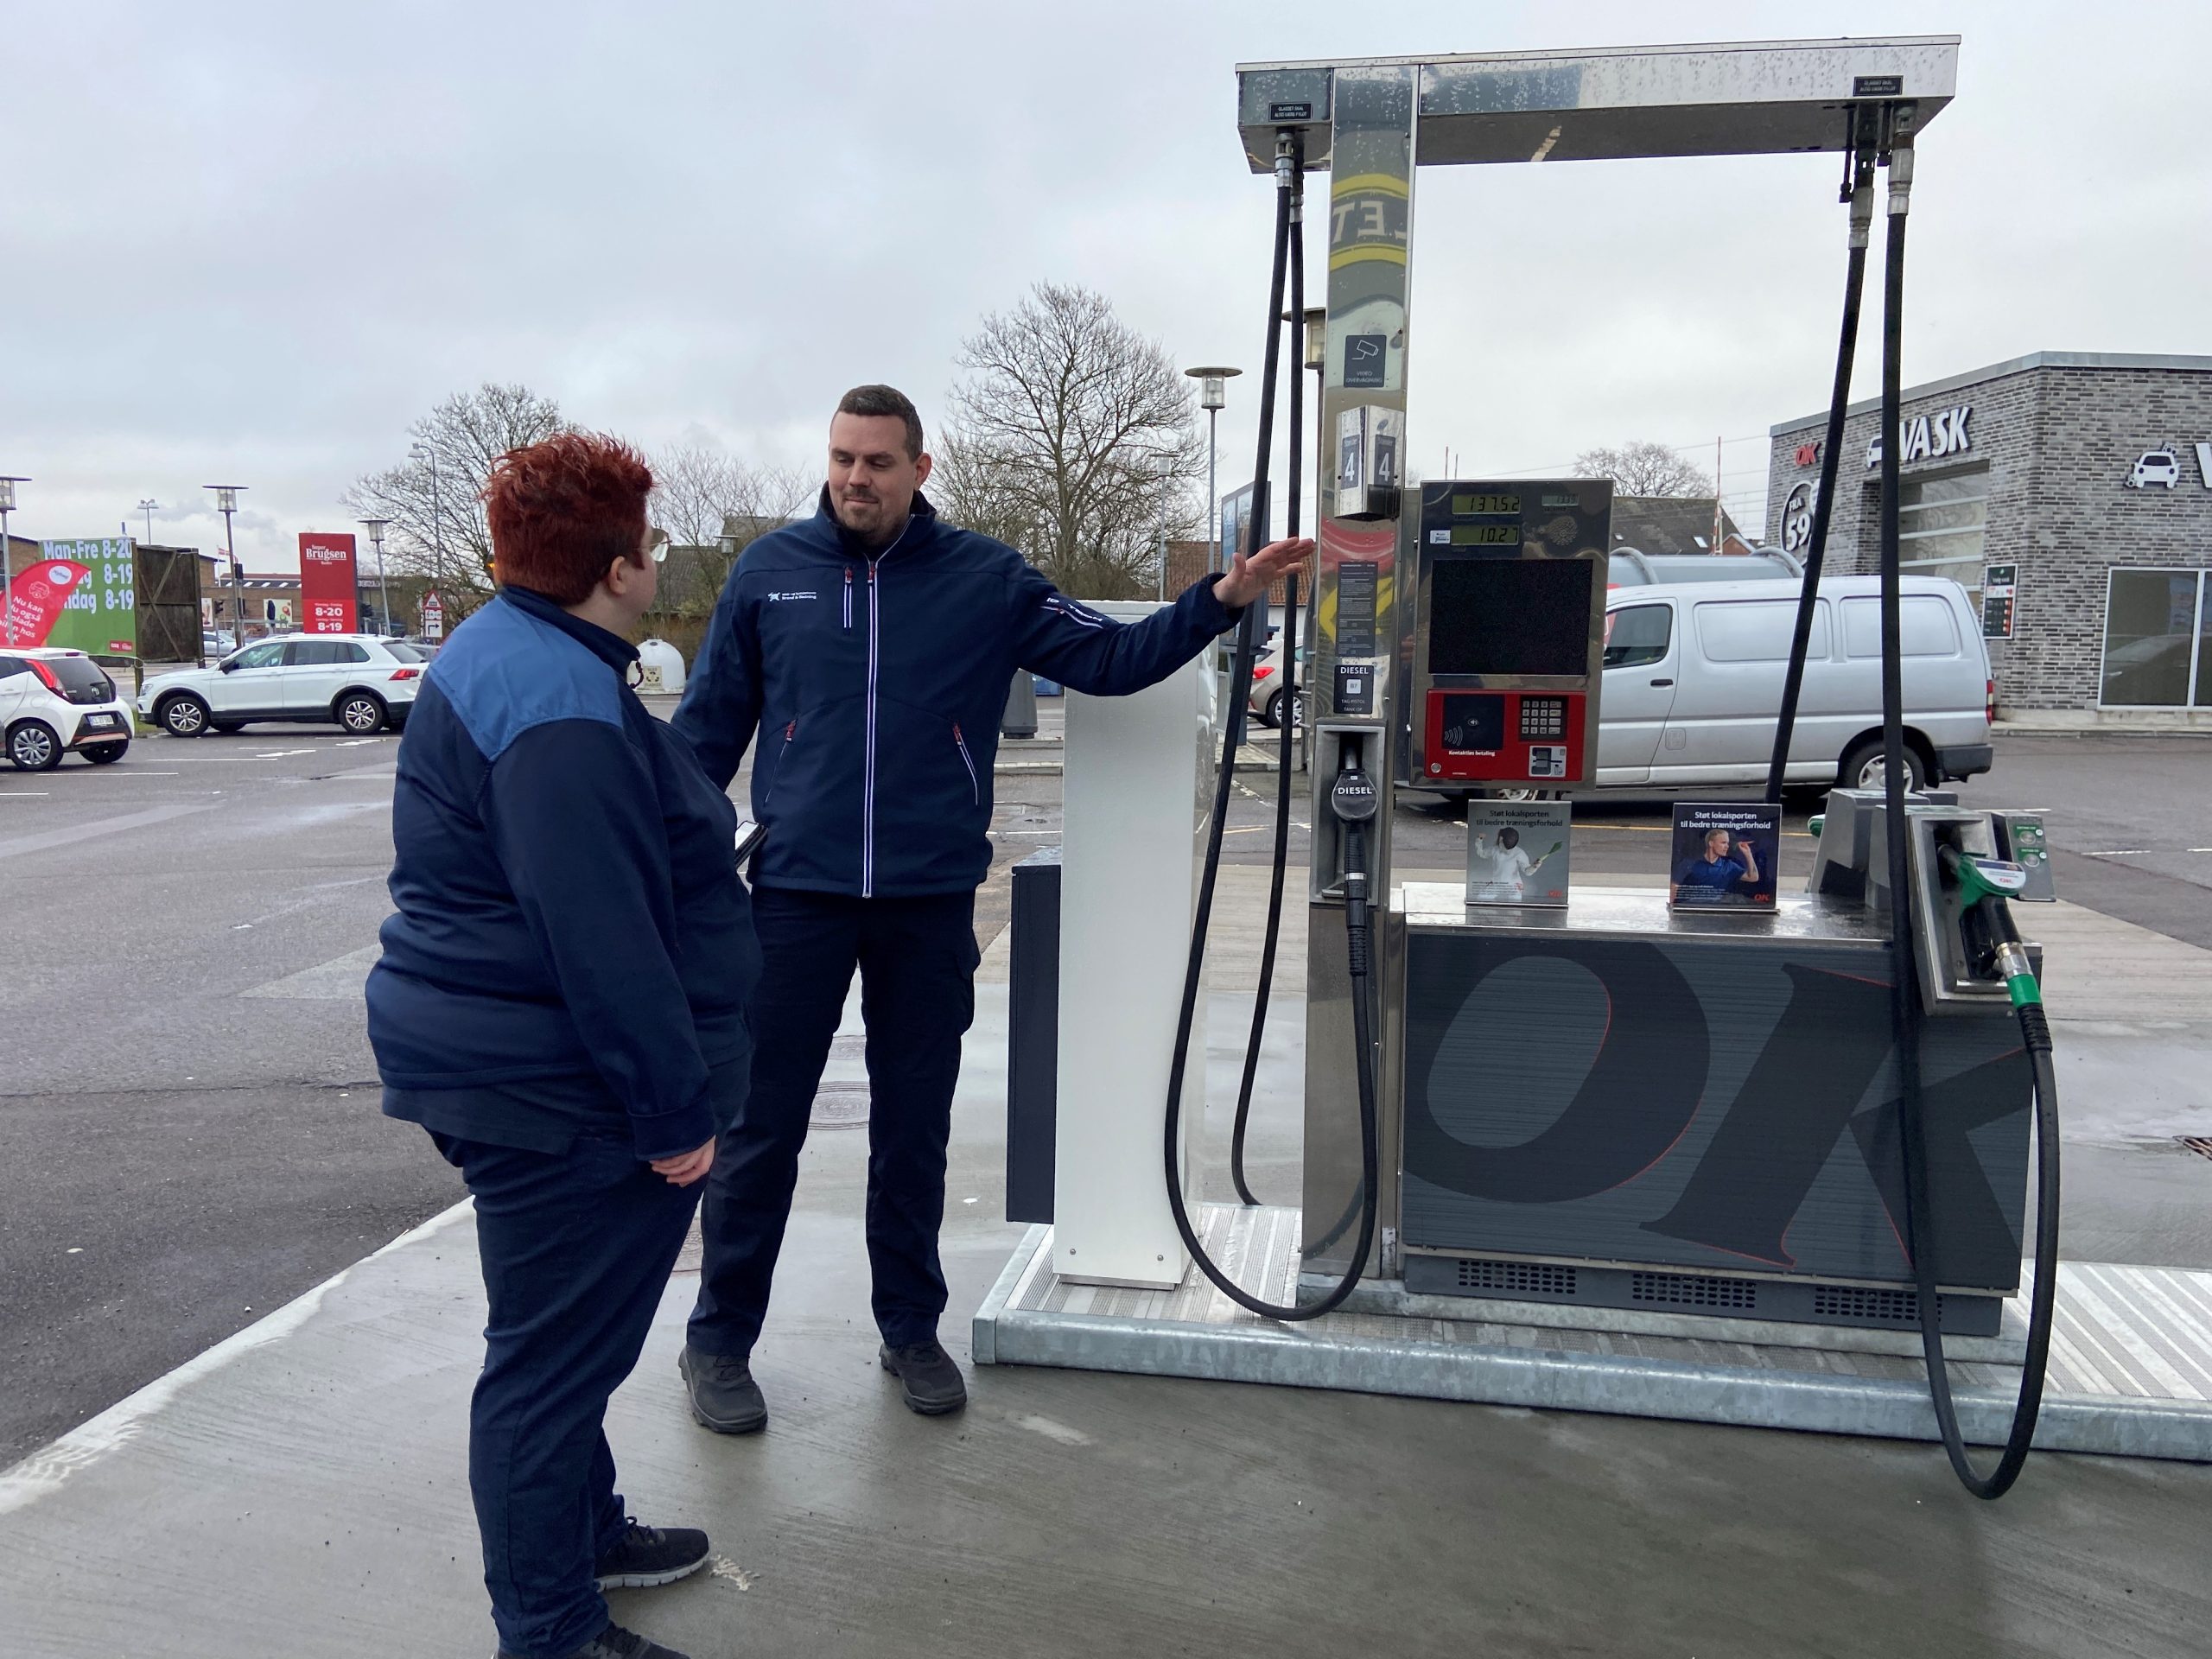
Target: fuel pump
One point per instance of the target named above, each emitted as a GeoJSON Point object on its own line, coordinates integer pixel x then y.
{"type": "Point", "coordinates": [1493, 683]}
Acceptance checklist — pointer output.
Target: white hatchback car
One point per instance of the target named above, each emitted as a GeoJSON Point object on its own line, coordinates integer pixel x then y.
{"type": "Point", "coordinates": [55, 701]}
{"type": "Point", "coordinates": [361, 682]}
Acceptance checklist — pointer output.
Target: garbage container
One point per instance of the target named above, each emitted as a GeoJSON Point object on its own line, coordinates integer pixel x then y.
{"type": "Point", "coordinates": [664, 668]}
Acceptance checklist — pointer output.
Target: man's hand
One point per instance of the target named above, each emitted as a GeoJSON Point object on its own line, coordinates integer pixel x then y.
{"type": "Point", "coordinates": [1248, 577]}
{"type": "Point", "coordinates": [686, 1167]}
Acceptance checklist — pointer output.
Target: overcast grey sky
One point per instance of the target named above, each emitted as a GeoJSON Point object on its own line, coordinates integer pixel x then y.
{"type": "Point", "coordinates": [250, 242]}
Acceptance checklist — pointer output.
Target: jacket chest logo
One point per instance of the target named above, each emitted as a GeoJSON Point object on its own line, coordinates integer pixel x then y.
{"type": "Point", "coordinates": [779, 599]}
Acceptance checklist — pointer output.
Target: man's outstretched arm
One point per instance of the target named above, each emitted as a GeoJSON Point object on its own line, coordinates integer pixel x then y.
{"type": "Point", "coordinates": [1060, 637]}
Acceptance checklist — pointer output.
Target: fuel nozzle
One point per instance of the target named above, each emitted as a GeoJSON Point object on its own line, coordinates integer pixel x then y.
{"type": "Point", "coordinates": [1355, 800]}
{"type": "Point", "coordinates": [1993, 945]}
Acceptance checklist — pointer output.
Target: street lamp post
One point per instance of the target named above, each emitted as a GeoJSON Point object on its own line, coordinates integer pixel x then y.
{"type": "Point", "coordinates": [375, 527]}
{"type": "Point", "coordinates": [1213, 396]}
{"type": "Point", "coordinates": [424, 452]}
{"type": "Point", "coordinates": [150, 507]}
{"type": "Point", "coordinates": [226, 503]}
{"type": "Point", "coordinates": [8, 554]}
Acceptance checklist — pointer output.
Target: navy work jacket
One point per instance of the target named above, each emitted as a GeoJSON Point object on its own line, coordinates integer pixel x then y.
{"type": "Point", "coordinates": [573, 950]}
{"type": "Point", "coordinates": [876, 681]}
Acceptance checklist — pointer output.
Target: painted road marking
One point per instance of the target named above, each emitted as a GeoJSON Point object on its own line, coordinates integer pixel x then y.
{"type": "Point", "coordinates": [79, 833]}
{"type": "Point", "coordinates": [338, 980]}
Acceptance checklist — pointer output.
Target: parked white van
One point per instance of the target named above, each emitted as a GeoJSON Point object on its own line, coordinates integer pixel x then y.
{"type": "Point", "coordinates": [1692, 684]}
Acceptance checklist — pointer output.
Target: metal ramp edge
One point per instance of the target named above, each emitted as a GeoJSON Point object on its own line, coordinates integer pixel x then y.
{"type": "Point", "coordinates": [1515, 1367]}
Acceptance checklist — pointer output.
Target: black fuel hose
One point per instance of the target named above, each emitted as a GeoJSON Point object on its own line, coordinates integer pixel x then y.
{"type": "Point", "coordinates": [1905, 1003]}
{"type": "Point", "coordinates": [1288, 733]}
{"type": "Point", "coordinates": [1358, 943]}
{"type": "Point", "coordinates": [1858, 190]}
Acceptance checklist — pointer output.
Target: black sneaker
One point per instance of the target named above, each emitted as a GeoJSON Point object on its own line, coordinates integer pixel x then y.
{"type": "Point", "coordinates": [931, 1382]}
{"type": "Point", "coordinates": [648, 1556]}
{"type": "Point", "coordinates": [724, 1397]}
{"type": "Point", "coordinates": [615, 1642]}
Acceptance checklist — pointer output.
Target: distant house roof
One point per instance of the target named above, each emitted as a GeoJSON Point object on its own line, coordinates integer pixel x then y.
{"type": "Point", "coordinates": [1664, 524]}
{"type": "Point", "coordinates": [1187, 562]}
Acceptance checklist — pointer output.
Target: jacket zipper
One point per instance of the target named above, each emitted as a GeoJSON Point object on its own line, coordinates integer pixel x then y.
{"type": "Point", "coordinates": [867, 774]}
{"type": "Point", "coordinates": [974, 784]}
{"type": "Point", "coordinates": [848, 598]}
{"type": "Point", "coordinates": [789, 732]}
{"type": "Point", "coordinates": [867, 771]}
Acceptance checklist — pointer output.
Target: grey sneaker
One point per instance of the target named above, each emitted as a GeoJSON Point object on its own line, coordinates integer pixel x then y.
{"type": "Point", "coordinates": [724, 1397]}
{"type": "Point", "coordinates": [615, 1642]}
{"type": "Point", "coordinates": [931, 1382]}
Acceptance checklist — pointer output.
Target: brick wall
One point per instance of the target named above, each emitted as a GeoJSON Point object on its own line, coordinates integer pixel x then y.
{"type": "Point", "coordinates": [2058, 442]}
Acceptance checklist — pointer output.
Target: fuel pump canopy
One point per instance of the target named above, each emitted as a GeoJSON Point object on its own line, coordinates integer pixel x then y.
{"type": "Point", "coordinates": [1753, 97]}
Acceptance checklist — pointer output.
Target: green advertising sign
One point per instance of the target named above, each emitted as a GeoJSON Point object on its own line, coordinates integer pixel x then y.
{"type": "Point", "coordinates": [85, 595]}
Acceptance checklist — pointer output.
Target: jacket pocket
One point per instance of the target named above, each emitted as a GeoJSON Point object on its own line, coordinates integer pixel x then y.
{"type": "Point", "coordinates": [776, 771]}
{"type": "Point", "coordinates": [975, 781]}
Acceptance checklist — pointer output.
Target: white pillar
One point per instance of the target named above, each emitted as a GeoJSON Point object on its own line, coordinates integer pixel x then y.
{"type": "Point", "coordinates": [1137, 775]}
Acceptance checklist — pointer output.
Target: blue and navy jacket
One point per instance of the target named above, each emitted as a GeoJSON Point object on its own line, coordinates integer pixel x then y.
{"type": "Point", "coordinates": [572, 949]}
{"type": "Point", "coordinates": [876, 681]}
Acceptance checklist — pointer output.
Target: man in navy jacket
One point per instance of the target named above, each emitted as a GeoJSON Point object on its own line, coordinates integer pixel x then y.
{"type": "Point", "coordinates": [871, 650]}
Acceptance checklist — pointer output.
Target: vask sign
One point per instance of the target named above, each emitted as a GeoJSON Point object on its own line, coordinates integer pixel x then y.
{"type": "Point", "coordinates": [1928, 437]}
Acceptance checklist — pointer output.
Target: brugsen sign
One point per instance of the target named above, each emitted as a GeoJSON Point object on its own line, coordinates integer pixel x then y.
{"type": "Point", "coordinates": [1927, 437]}
{"type": "Point", "coordinates": [327, 581]}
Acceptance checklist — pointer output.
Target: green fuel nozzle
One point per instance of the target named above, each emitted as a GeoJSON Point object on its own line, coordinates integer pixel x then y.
{"type": "Point", "coordinates": [1983, 885]}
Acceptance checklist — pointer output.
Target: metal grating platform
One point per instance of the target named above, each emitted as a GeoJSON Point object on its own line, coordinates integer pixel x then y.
{"type": "Point", "coordinates": [2130, 1364]}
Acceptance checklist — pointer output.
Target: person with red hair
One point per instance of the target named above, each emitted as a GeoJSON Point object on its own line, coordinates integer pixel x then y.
{"type": "Point", "coordinates": [561, 1003]}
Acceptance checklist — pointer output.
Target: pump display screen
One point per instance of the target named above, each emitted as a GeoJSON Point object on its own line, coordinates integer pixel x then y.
{"type": "Point", "coordinates": [1467, 503]}
{"type": "Point", "coordinates": [1485, 535]}
{"type": "Point", "coordinates": [1510, 616]}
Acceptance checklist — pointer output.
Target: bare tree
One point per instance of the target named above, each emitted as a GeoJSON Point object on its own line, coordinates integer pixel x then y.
{"type": "Point", "coordinates": [1642, 467]}
{"type": "Point", "coordinates": [438, 529]}
{"type": "Point", "coordinates": [713, 506]}
{"type": "Point", "coordinates": [1074, 438]}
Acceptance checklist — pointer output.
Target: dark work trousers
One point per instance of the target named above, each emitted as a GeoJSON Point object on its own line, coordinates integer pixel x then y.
{"type": "Point", "coordinates": [577, 1248]}
{"type": "Point", "coordinates": [917, 959]}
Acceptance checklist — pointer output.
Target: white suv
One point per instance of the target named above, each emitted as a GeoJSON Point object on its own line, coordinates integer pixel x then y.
{"type": "Point", "coordinates": [360, 681]}
{"type": "Point", "coordinates": [53, 702]}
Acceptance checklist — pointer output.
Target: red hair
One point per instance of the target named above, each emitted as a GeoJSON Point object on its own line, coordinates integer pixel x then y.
{"type": "Point", "coordinates": [563, 511]}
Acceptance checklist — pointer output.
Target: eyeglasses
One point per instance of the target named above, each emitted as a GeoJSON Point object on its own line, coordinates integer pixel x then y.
{"type": "Point", "coordinates": [659, 547]}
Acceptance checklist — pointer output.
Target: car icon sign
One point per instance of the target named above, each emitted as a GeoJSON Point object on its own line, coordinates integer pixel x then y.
{"type": "Point", "coordinates": [2160, 466]}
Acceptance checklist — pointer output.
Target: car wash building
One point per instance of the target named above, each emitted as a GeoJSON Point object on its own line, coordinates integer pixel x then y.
{"type": "Point", "coordinates": [2070, 492]}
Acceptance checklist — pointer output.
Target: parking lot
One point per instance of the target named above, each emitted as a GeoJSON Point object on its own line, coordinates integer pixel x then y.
{"type": "Point", "coordinates": [188, 1124]}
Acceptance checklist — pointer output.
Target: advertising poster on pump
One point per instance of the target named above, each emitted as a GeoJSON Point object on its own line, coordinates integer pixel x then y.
{"type": "Point", "coordinates": [79, 596]}
{"type": "Point", "coordinates": [1727, 857]}
{"type": "Point", "coordinates": [1517, 852]}
{"type": "Point", "coordinates": [328, 590]}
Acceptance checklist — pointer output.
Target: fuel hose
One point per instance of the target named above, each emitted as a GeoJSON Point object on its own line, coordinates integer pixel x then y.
{"type": "Point", "coordinates": [1354, 799]}
{"type": "Point", "coordinates": [1906, 1010]}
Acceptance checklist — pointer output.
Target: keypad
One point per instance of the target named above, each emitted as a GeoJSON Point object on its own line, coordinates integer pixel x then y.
{"type": "Point", "coordinates": [1542, 717]}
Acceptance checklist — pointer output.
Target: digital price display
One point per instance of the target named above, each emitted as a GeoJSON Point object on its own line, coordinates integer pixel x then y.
{"type": "Point", "coordinates": [1468, 504]}
{"type": "Point", "coordinates": [1486, 536]}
